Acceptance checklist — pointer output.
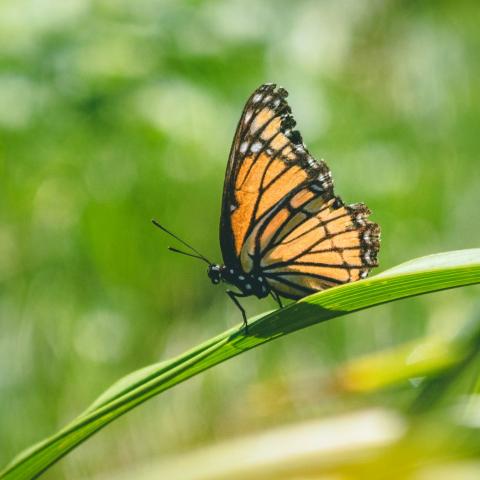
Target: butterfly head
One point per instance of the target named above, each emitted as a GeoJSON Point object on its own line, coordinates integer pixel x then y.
{"type": "Point", "coordinates": [214, 272]}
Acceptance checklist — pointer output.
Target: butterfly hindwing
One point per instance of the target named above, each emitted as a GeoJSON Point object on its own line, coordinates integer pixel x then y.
{"type": "Point", "coordinates": [334, 245]}
{"type": "Point", "coordinates": [280, 216]}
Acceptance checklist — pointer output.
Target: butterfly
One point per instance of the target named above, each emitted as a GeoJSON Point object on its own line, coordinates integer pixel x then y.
{"type": "Point", "coordinates": [283, 230]}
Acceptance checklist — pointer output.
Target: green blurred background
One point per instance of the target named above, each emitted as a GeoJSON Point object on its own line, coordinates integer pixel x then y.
{"type": "Point", "coordinates": [113, 112]}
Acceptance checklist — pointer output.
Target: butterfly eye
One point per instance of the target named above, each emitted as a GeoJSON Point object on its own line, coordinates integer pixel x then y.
{"type": "Point", "coordinates": [214, 273]}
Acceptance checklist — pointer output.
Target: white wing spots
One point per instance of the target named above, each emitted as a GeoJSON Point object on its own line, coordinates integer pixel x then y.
{"type": "Point", "coordinates": [363, 274]}
{"type": "Point", "coordinates": [360, 220]}
{"type": "Point", "coordinates": [232, 207]}
{"type": "Point", "coordinates": [231, 271]}
{"type": "Point", "coordinates": [248, 286]}
{"type": "Point", "coordinates": [325, 178]}
{"type": "Point", "coordinates": [241, 277]}
{"type": "Point", "coordinates": [260, 279]}
{"type": "Point", "coordinates": [256, 98]}
{"type": "Point", "coordinates": [276, 103]}
{"type": "Point", "coordinates": [256, 147]}
{"type": "Point", "coordinates": [243, 147]}
{"type": "Point", "coordinates": [299, 148]}
{"type": "Point", "coordinates": [267, 99]}
{"type": "Point", "coordinates": [248, 116]}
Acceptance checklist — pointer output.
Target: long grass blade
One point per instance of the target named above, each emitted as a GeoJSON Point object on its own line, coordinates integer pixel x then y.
{"type": "Point", "coordinates": [417, 277]}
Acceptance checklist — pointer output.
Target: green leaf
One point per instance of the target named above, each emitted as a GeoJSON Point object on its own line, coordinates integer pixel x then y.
{"type": "Point", "coordinates": [420, 276]}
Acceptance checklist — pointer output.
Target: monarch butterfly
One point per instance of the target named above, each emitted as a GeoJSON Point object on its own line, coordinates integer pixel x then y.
{"type": "Point", "coordinates": [283, 231]}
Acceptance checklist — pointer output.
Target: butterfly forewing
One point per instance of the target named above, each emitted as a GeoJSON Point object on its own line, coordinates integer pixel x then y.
{"type": "Point", "coordinates": [280, 216]}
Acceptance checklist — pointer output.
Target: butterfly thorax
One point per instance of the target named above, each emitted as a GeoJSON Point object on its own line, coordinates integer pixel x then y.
{"type": "Point", "coordinates": [248, 284]}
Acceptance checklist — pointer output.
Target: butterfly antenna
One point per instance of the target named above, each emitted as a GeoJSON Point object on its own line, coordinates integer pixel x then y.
{"type": "Point", "coordinates": [198, 254]}
{"type": "Point", "coordinates": [176, 250]}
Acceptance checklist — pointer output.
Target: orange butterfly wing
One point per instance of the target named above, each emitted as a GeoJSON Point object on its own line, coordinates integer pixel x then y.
{"type": "Point", "coordinates": [280, 217]}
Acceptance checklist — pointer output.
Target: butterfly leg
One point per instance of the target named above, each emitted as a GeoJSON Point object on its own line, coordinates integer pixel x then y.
{"type": "Point", "coordinates": [277, 298]}
{"type": "Point", "coordinates": [235, 296]}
